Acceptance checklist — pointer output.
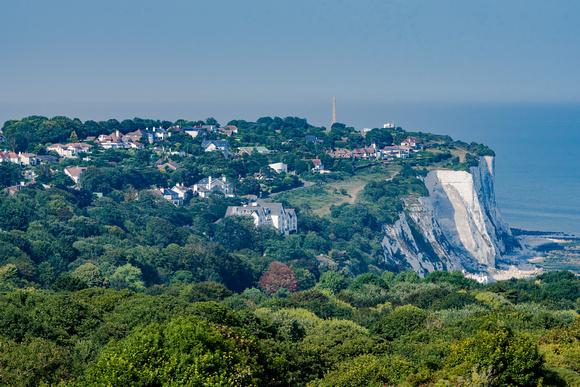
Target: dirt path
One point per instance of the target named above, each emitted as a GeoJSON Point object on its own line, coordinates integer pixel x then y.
{"type": "Point", "coordinates": [353, 193]}
{"type": "Point", "coordinates": [304, 184]}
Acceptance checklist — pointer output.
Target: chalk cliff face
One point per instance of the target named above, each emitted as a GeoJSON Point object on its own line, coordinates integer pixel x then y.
{"type": "Point", "coordinates": [457, 227]}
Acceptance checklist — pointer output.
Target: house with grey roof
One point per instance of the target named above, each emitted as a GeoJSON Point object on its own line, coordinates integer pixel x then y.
{"type": "Point", "coordinates": [28, 158]}
{"type": "Point", "coordinates": [45, 159]}
{"type": "Point", "coordinates": [216, 145]}
{"type": "Point", "coordinates": [168, 194]}
{"type": "Point", "coordinates": [268, 214]}
{"type": "Point", "coordinates": [182, 191]}
{"type": "Point", "coordinates": [206, 186]}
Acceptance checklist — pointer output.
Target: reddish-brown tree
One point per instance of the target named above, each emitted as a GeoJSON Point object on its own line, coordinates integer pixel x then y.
{"type": "Point", "coordinates": [278, 276]}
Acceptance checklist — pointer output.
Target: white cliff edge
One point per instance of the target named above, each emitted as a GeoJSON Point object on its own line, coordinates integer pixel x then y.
{"type": "Point", "coordinates": [457, 227]}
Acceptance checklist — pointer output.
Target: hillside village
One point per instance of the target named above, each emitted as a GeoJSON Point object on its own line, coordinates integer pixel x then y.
{"type": "Point", "coordinates": [338, 150]}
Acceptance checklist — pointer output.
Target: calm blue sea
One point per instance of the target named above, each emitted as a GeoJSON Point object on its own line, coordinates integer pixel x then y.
{"type": "Point", "coordinates": [537, 155]}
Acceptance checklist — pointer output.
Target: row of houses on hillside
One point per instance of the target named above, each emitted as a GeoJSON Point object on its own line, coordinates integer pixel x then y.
{"type": "Point", "coordinates": [119, 140]}
{"type": "Point", "coordinates": [70, 150]}
{"type": "Point", "coordinates": [407, 146]}
{"type": "Point", "coordinates": [73, 172]}
{"type": "Point", "coordinates": [21, 158]}
{"type": "Point", "coordinates": [202, 130]}
{"type": "Point", "coordinates": [203, 188]}
{"type": "Point", "coordinates": [268, 214]}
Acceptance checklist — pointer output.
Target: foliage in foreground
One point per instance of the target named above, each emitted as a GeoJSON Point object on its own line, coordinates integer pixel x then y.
{"type": "Point", "coordinates": [441, 330]}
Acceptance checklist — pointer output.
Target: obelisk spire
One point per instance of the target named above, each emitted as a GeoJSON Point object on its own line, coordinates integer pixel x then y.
{"type": "Point", "coordinates": [333, 112]}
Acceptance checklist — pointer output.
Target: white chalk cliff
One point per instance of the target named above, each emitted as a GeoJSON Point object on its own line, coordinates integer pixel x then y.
{"type": "Point", "coordinates": [457, 227]}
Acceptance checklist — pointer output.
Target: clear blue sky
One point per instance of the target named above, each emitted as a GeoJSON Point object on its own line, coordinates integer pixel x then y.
{"type": "Point", "coordinates": [235, 59]}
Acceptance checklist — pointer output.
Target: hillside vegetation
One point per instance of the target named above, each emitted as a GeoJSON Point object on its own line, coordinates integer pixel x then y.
{"type": "Point", "coordinates": [104, 283]}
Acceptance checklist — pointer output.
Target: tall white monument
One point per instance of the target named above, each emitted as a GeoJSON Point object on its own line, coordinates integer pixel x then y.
{"type": "Point", "coordinates": [333, 112]}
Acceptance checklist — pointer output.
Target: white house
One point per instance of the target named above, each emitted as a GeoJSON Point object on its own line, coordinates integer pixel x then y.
{"type": "Point", "coordinates": [279, 167]}
{"type": "Point", "coordinates": [268, 214]}
{"type": "Point", "coordinates": [216, 145]}
{"type": "Point", "coordinates": [159, 133]}
{"type": "Point", "coordinates": [396, 151]}
{"type": "Point", "coordinates": [113, 141]}
{"type": "Point", "coordinates": [412, 143]}
{"type": "Point", "coordinates": [206, 186]}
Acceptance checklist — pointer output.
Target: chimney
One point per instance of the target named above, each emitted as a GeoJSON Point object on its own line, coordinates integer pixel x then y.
{"type": "Point", "coordinates": [224, 178]}
{"type": "Point", "coordinates": [209, 183]}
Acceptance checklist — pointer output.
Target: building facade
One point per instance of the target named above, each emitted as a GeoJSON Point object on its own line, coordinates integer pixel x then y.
{"type": "Point", "coordinates": [268, 214]}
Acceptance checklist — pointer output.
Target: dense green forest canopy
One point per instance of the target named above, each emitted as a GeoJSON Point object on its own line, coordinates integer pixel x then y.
{"type": "Point", "coordinates": [372, 330]}
{"type": "Point", "coordinates": [104, 283]}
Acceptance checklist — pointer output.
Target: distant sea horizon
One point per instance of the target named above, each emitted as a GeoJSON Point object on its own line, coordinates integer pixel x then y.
{"type": "Point", "coordinates": [537, 163]}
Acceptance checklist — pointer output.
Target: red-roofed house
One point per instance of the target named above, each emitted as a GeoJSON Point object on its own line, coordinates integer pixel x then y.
{"type": "Point", "coordinates": [413, 143]}
{"type": "Point", "coordinates": [70, 150]}
{"type": "Point", "coordinates": [318, 165]}
{"type": "Point", "coordinates": [9, 157]}
{"type": "Point", "coordinates": [365, 153]}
